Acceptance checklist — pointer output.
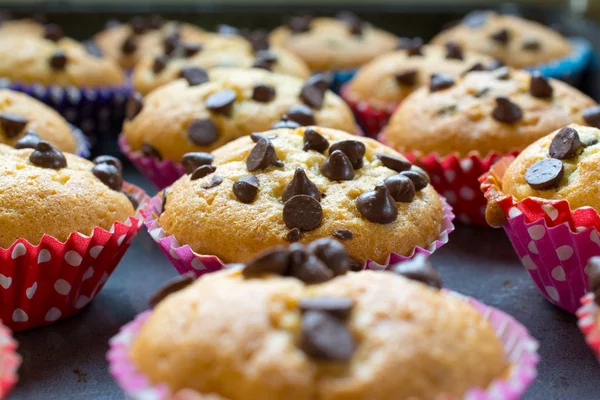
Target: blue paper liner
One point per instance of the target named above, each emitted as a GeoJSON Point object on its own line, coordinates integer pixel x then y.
{"type": "Point", "coordinates": [339, 78]}
{"type": "Point", "coordinates": [83, 148]}
{"type": "Point", "coordinates": [569, 69]}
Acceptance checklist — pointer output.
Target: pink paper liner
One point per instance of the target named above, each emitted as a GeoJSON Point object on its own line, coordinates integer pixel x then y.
{"type": "Point", "coordinates": [370, 118]}
{"type": "Point", "coordinates": [520, 349]}
{"type": "Point", "coordinates": [53, 280]}
{"type": "Point", "coordinates": [587, 317]}
{"type": "Point", "coordinates": [9, 361]}
{"type": "Point", "coordinates": [184, 259]}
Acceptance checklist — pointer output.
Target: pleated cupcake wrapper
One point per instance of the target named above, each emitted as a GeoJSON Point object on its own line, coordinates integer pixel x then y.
{"type": "Point", "coordinates": [587, 316]}
{"type": "Point", "coordinates": [9, 361]}
{"type": "Point", "coordinates": [371, 119]}
{"type": "Point", "coordinates": [184, 259]}
{"type": "Point", "coordinates": [82, 143]}
{"type": "Point", "coordinates": [519, 347]}
{"type": "Point", "coordinates": [53, 280]}
{"type": "Point", "coordinates": [552, 241]}
{"type": "Point", "coordinates": [570, 68]}
{"type": "Point", "coordinates": [339, 77]}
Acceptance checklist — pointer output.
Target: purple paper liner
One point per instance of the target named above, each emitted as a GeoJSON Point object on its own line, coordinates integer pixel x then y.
{"type": "Point", "coordinates": [184, 259]}
{"type": "Point", "coordinates": [519, 347]}
{"type": "Point", "coordinates": [82, 142]}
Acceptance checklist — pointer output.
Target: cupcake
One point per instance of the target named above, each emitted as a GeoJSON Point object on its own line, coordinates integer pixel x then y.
{"type": "Point", "coordinates": [9, 361]}
{"type": "Point", "coordinates": [59, 211]}
{"type": "Point", "coordinates": [312, 331]}
{"type": "Point", "coordinates": [380, 85]}
{"type": "Point", "coordinates": [457, 127]}
{"type": "Point", "coordinates": [204, 110]}
{"type": "Point", "coordinates": [22, 27]}
{"type": "Point", "coordinates": [589, 317]}
{"type": "Point", "coordinates": [547, 201]}
{"type": "Point", "coordinates": [298, 185]}
{"type": "Point", "coordinates": [520, 43]}
{"type": "Point", "coordinates": [339, 45]}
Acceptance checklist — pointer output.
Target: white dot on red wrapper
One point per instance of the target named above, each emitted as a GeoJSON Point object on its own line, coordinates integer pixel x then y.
{"type": "Point", "coordinates": [466, 193]}
{"type": "Point", "coordinates": [73, 258]}
{"type": "Point", "coordinates": [435, 179]}
{"type": "Point", "coordinates": [173, 254]}
{"type": "Point", "coordinates": [550, 211]}
{"type": "Point", "coordinates": [5, 281]}
{"type": "Point", "coordinates": [536, 232]}
{"type": "Point", "coordinates": [19, 315]}
{"type": "Point", "coordinates": [594, 237]}
{"type": "Point", "coordinates": [564, 252]}
{"type": "Point", "coordinates": [450, 196]}
{"type": "Point", "coordinates": [88, 274]}
{"type": "Point", "coordinates": [81, 301]}
{"type": "Point", "coordinates": [532, 247]}
{"type": "Point", "coordinates": [197, 264]}
{"type": "Point", "coordinates": [30, 291]}
{"type": "Point", "coordinates": [528, 263]}
{"type": "Point", "coordinates": [53, 314]}
{"type": "Point", "coordinates": [466, 164]}
{"type": "Point", "coordinates": [552, 292]}
{"type": "Point", "coordinates": [450, 175]}
{"type": "Point", "coordinates": [558, 273]}
{"type": "Point", "coordinates": [121, 239]}
{"type": "Point", "coordinates": [44, 256]}
{"type": "Point", "coordinates": [18, 251]}
{"type": "Point", "coordinates": [514, 212]}
{"type": "Point", "coordinates": [62, 286]}
{"type": "Point", "coordinates": [95, 251]}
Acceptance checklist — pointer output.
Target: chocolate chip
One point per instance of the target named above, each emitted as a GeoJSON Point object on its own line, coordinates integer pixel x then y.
{"type": "Point", "coordinates": [313, 140]}
{"type": "Point", "coordinates": [177, 284]}
{"type": "Point", "coordinates": [453, 51]}
{"type": "Point", "coordinates": [275, 260]}
{"type": "Point", "coordinates": [340, 307]}
{"type": "Point", "coordinates": [202, 132]}
{"type": "Point", "coordinates": [531, 44]}
{"type": "Point", "coordinates": [539, 86]}
{"type": "Point", "coordinates": [257, 136]}
{"type": "Point", "coordinates": [301, 114]}
{"type": "Point", "coordinates": [262, 156]}
{"type": "Point", "coordinates": [354, 23]}
{"type": "Point", "coordinates": [593, 271]}
{"type": "Point", "coordinates": [202, 171]}
{"type": "Point", "coordinates": [155, 21]}
{"type": "Point", "coordinates": [129, 45]}
{"type": "Point", "coordinates": [191, 161]}
{"type": "Point", "coordinates": [418, 177]}
{"type": "Point", "coordinates": [29, 141]}
{"type": "Point", "coordinates": [221, 102]}
{"type": "Point", "coordinates": [302, 212]}
{"type": "Point", "coordinates": [135, 103]}
{"type": "Point", "coordinates": [12, 124]}
{"type": "Point", "coordinates": [58, 60]}
{"type": "Point", "coordinates": [264, 60]}
{"type": "Point", "coordinates": [92, 48]}
{"type": "Point", "coordinates": [293, 235]}
{"type": "Point", "coordinates": [263, 93]}
{"type": "Point", "coordinates": [194, 75]}
{"type": "Point", "coordinates": [171, 42]}
{"type": "Point", "coordinates": [502, 73]}
{"type": "Point", "coordinates": [343, 234]}
{"type": "Point", "coordinates": [299, 24]}
{"type": "Point", "coordinates": [47, 156]}
{"type": "Point", "coordinates": [246, 188]}
{"type": "Point", "coordinates": [109, 175]}
{"type": "Point", "coordinates": [332, 253]}
{"type": "Point", "coordinates": [285, 123]}
{"type": "Point", "coordinates": [476, 67]}
{"type": "Point", "coordinates": [418, 269]}
{"type": "Point", "coordinates": [132, 200]}
{"type": "Point", "coordinates": [160, 63]}
{"type": "Point", "coordinates": [353, 149]}
{"type": "Point", "coordinates": [337, 167]}
{"type": "Point", "coordinates": [377, 205]}
{"type": "Point", "coordinates": [300, 184]}
{"type": "Point", "coordinates": [215, 181]}
{"type": "Point", "coordinates": [306, 266]}
{"type": "Point", "coordinates": [138, 25]}
{"type": "Point", "coordinates": [53, 32]}
{"type": "Point", "coordinates": [393, 162]}
{"type": "Point", "coordinates": [324, 337]}
{"type": "Point", "coordinates": [545, 174]}
{"type": "Point", "coordinates": [401, 188]}
{"type": "Point", "coordinates": [190, 49]}
{"type": "Point", "coordinates": [565, 144]}
{"type": "Point", "coordinates": [355, 265]}
{"type": "Point", "coordinates": [150, 151]}
{"type": "Point", "coordinates": [413, 47]}
{"type": "Point", "coordinates": [475, 19]}
{"type": "Point", "coordinates": [407, 78]}
{"type": "Point", "coordinates": [495, 64]}
{"type": "Point", "coordinates": [506, 111]}
{"type": "Point", "coordinates": [258, 39]}
{"type": "Point", "coordinates": [114, 161]}
{"type": "Point", "coordinates": [165, 194]}
{"type": "Point", "coordinates": [313, 91]}
{"type": "Point", "coordinates": [501, 36]}
{"type": "Point", "coordinates": [591, 116]}
{"type": "Point", "coordinates": [440, 82]}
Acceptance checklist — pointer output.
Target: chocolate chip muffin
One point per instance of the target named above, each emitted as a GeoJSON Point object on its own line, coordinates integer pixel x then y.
{"type": "Point", "coordinates": [515, 41]}
{"type": "Point", "coordinates": [43, 191]}
{"type": "Point", "coordinates": [298, 185]}
{"type": "Point", "coordinates": [339, 43]}
{"type": "Point", "coordinates": [204, 110]}
{"type": "Point", "coordinates": [22, 27]}
{"type": "Point", "coordinates": [24, 121]}
{"type": "Point", "coordinates": [485, 111]}
{"type": "Point", "coordinates": [363, 335]}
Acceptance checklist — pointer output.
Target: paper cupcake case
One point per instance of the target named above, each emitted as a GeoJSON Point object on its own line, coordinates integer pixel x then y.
{"type": "Point", "coordinates": [54, 280]}
{"type": "Point", "coordinates": [371, 119]}
{"type": "Point", "coordinates": [587, 317]}
{"type": "Point", "coordinates": [552, 241]}
{"type": "Point", "coordinates": [9, 361]}
{"type": "Point", "coordinates": [571, 68]}
{"type": "Point", "coordinates": [339, 77]}
{"type": "Point", "coordinates": [82, 142]}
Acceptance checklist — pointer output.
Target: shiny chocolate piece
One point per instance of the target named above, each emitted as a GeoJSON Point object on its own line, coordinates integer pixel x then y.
{"type": "Point", "coordinates": [413, 47]}
{"type": "Point", "coordinates": [262, 156]}
{"type": "Point", "coordinates": [439, 82]}
{"type": "Point", "coordinates": [29, 141]}
{"type": "Point", "coordinates": [306, 266]}
{"type": "Point", "coordinates": [566, 144]}
{"type": "Point", "coordinates": [191, 161]}
{"type": "Point", "coordinates": [353, 149]}
{"type": "Point", "coordinates": [285, 123]}
{"type": "Point", "coordinates": [202, 132]}
{"type": "Point", "coordinates": [418, 269]}
{"type": "Point", "coordinates": [190, 49]}
{"type": "Point", "coordinates": [12, 124]}
{"type": "Point", "coordinates": [214, 182]}
{"type": "Point", "coordinates": [263, 93]}
{"type": "Point", "coordinates": [540, 86]}
{"type": "Point", "coordinates": [246, 188]}
{"type": "Point", "coordinates": [293, 235]}
{"type": "Point", "coordinates": [264, 60]}
{"type": "Point", "coordinates": [299, 24]}
{"type": "Point", "coordinates": [150, 151]}
{"type": "Point", "coordinates": [160, 63]}
{"type": "Point", "coordinates": [545, 174]}
{"type": "Point", "coordinates": [502, 36]}
{"type": "Point", "coordinates": [340, 307]}
{"type": "Point", "coordinates": [58, 60]}
{"type": "Point", "coordinates": [476, 67]}
{"type": "Point", "coordinates": [177, 284]}
{"type": "Point", "coordinates": [313, 140]}
{"type": "Point", "coordinates": [110, 175]}
{"type": "Point", "coordinates": [342, 234]}
{"type": "Point", "coordinates": [129, 45]}
{"type": "Point", "coordinates": [53, 32]}
{"type": "Point", "coordinates": [194, 76]}
{"type": "Point", "coordinates": [325, 337]}
{"type": "Point", "coordinates": [302, 212]}
{"type": "Point", "coordinates": [301, 114]}
{"type": "Point", "coordinates": [506, 111]}
{"type": "Point", "coordinates": [453, 51]}
{"type": "Point", "coordinates": [313, 91]}
{"type": "Point", "coordinates": [407, 78]}
{"type": "Point", "coordinates": [47, 156]}
{"type": "Point", "coordinates": [300, 184]}
{"type": "Point", "coordinates": [419, 178]}
{"type": "Point", "coordinates": [202, 171]}
{"type": "Point", "coordinates": [531, 44]}
{"type": "Point", "coordinates": [275, 260]}
{"type": "Point", "coordinates": [355, 24]}
{"type": "Point", "coordinates": [257, 136]}
{"type": "Point", "coordinates": [114, 161]}
{"type": "Point", "coordinates": [394, 163]}
{"type": "Point", "coordinates": [221, 102]}
{"type": "Point", "coordinates": [377, 205]}
{"type": "Point", "coordinates": [337, 167]}
{"type": "Point", "coordinates": [591, 115]}
{"type": "Point", "coordinates": [332, 253]}
{"type": "Point", "coordinates": [401, 188]}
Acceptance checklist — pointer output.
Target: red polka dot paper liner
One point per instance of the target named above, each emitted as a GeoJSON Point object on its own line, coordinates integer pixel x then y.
{"type": "Point", "coordinates": [587, 316]}
{"type": "Point", "coordinates": [519, 347]}
{"type": "Point", "coordinates": [9, 361]}
{"type": "Point", "coordinates": [372, 119]}
{"type": "Point", "coordinates": [53, 280]}
{"type": "Point", "coordinates": [184, 259]}
{"type": "Point", "coordinates": [552, 241]}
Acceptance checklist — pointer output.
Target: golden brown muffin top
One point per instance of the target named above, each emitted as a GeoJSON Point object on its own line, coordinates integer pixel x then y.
{"type": "Point", "coordinates": [20, 27]}
{"type": "Point", "coordinates": [259, 99]}
{"type": "Point", "coordinates": [515, 41]}
{"type": "Point", "coordinates": [43, 191]}
{"type": "Point", "coordinates": [330, 43]}
{"type": "Point", "coordinates": [485, 111]}
{"type": "Point", "coordinates": [20, 113]}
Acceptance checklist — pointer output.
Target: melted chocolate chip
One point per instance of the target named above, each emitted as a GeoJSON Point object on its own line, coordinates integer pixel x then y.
{"type": "Point", "coordinates": [29, 141]}
{"type": "Point", "coordinates": [340, 307]}
{"type": "Point", "coordinates": [190, 49]}
{"type": "Point", "coordinates": [12, 124]}
{"type": "Point", "coordinates": [413, 47]}
{"type": "Point", "coordinates": [159, 64]}
{"type": "Point", "coordinates": [263, 93]}
{"type": "Point", "coordinates": [179, 283]}
{"type": "Point", "coordinates": [138, 25]}
{"type": "Point", "coordinates": [202, 132]}
{"type": "Point", "coordinates": [262, 156]}
{"type": "Point", "coordinates": [353, 149]}
{"type": "Point", "coordinates": [418, 269]}
{"type": "Point", "coordinates": [150, 151]}
{"type": "Point", "coordinates": [257, 136]}
{"type": "Point", "coordinates": [274, 260]}
{"type": "Point", "coordinates": [129, 45]}
{"type": "Point", "coordinates": [342, 234]}
{"type": "Point", "coordinates": [454, 51]}
{"type": "Point", "coordinates": [377, 205]}
{"type": "Point", "coordinates": [325, 337]}
{"type": "Point", "coordinates": [301, 114]}
{"type": "Point", "coordinates": [53, 32]}
{"type": "Point", "coordinates": [544, 174]}
{"type": "Point", "coordinates": [506, 111]}
{"type": "Point", "coordinates": [354, 23]}
{"type": "Point", "coordinates": [591, 115]}
{"type": "Point", "coordinates": [313, 140]}
{"type": "Point", "coordinates": [194, 75]}
{"type": "Point", "coordinates": [476, 67]}
{"type": "Point", "coordinates": [293, 235]}
{"type": "Point", "coordinates": [501, 36]}
{"type": "Point", "coordinates": [440, 82]}
{"type": "Point", "coordinates": [171, 42]}
{"type": "Point", "coordinates": [109, 175]}
{"type": "Point", "coordinates": [313, 91]}
{"type": "Point", "coordinates": [475, 19]}
{"type": "Point", "coordinates": [566, 144]}
{"type": "Point", "coordinates": [531, 44]}
{"type": "Point", "coordinates": [401, 188]}
{"type": "Point", "coordinates": [58, 60]}
{"type": "Point", "coordinates": [593, 271]}
{"type": "Point", "coordinates": [285, 123]}
{"type": "Point", "coordinates": [135, 103]}
{"type": "Point", "coordinates": [265, 60]}
{"type": "Point", "coordinates": [246, 188]}
{"type": "Point", "coordinates": [221, 102]}
{"type": "Point", "coordinates": [191, 161]}
{"type": "Point", "coordinates": [418, 177]}
{"type": "Point", "coordinates": [47, 156]}
{"type": "Point", "coordinates": [407, 78]}
{"type": "Point", "coordinates": [114, 161]}
{"type": "Point", "coordinates": [302, 212]}
{"type": "Point", "coordinates": [332, 253]}
{"type": "Point", "coordinates": [355, 265]}
{"type": "Point", "coordinates": [202, 171]}
{"type": "Point", "coordinates": [214, 182]}
{"type": "Point", "coordinates": [299, 24]}
{"type": "Point", "coordinates": [258, 39]}
{"type": "Point", "coordinates": [394, 163]}
{"type": "Point", "coordinates": [540, 86]}
{"type": "Point", "coordinates": [337, 167]}
{"type": "Point", "coordinates": [306, 266]}
{"type": "Point", "coordinates": [132, 200]}
{"type": "Point", "coordinates": [300, 184]}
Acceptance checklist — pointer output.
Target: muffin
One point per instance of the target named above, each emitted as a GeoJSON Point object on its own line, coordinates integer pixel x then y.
{"type": "Point", "coordinates": [457, 127]}
{"type": "Point", "coordinates": [380, 85]}
{"type": "Point", "coordinates": [298, 185]}
{"type": "Point", "coordinates": [589, 318]}
{"type": "Point", "coordinates": [22, 27]}
{"type": "Point", "coordinates": [206, 110]}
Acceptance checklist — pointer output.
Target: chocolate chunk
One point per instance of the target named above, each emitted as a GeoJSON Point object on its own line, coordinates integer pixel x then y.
{"type": "Point", "coordinates": [340, 307]}
{"type": "Point", "coordinates": [413, 47]}
{"type": "Point", "coordinates": [246, 188]}
{"type": "Point", "coordinates": [313, 91]}
{"type": "Point", "coordinates": [418, 177]}
{"type": "Point", "coordinates": [202, 171]}
{"type": "Point", "coordinates": [506, 111]}
{"type": "Point", "coordinates": [353, 149]}
{"type": "Point", "coordinates": [194, 75]}
{"type": "Point", "coordinates": [501, 36]}
{"type": "Point", "coordinates": [190, 49]}
{"type": "Point", "coordinates": [171, 42]}
{"type": "Point", "coordinates": [332, 253]}
{"type": "Point", "coordinates": [476, 67]}
{"type": "Point", "coordinates": [324, 337]}
{"type": "Point", "coordinates": [135, 103]}
{"type": "Point", "coordinates": [531, 44]}
{"type": "Point", "coordinates": [453, 51]}
{"type": "Point", "coordinates": [293, 235]}
{"type": "Point", "coordinates": [221, 102]}
{"type": "Point", "coordinates": [440, 82]}
{"type": "Point", "coordinates": [47, 156]}
{"type": "Point", "coordinates": [263, 93]}
{"type": "Point", "coordinates": [354, 23]}
{"type": "Point", "coordinates": [110, 160]}
{"type": "Point", "coordinates": [275, 260]}
{"type": "Point", "coordinates": [342, 234]}
{"type": "Point", "coordinates": [202, 132]}
{"type": "Point", "coordinates": [301, 114]}
{"type": "Point", "coordinates": [407, 78]}
{"type": "Point", "coordinates": [394, 163]}
{"type": "Point", "coordinates": [177, 284]}
{"type": "Point", "coordinates": [129, 45]}
{"type": "Point", "coordinates": [109, 175]}
{"type": "Point", "coordinates": [29, 141]}
{"type": "Point", "coordinates": [258, 39]}
{"type": "Point", "coordinates": [132, 200]}
{"type": "Point", "coordinates": [285, 123]}
{"type": "Point", "coordinates": [475, 19]}
{"type": "Point", "coordinates": [155, 21]}
{"type": "Point", "coordinates": [306, 266]}
{"type": "Point", "coordinates": [495, 64]}
{"type": "Point", "coordinates": [545, 174]}
{"type": "Point", "coordinates": [138, 25]}
{"type": "Point", "coordinates": [593, 271]}
{"type": "Point", "coordinates": [302, 212]}
{"type": "Point", "coordinates": [377, 205]}
{"type": "Point", "coordinates": [228, 30]}
{"type": "Point", "coordinates": [418, 269]}
{"type": "Point", "coordinates": [401, 188]}
{"type": "Point", "coordinates": [337, 167]}
{"type": "Point", "coordinates": [150, 151]}
{"type": "Point", "coordinates": [215, 181]}
{"type": "Point", "coordinates": [58, 60]}
{"type": "Point", "coordinates": [92, 48]}
{"type": "Point", "coordinates": [313, 140]}
{"type": "Point", "coordinates": [264, 60]}
{"type": "Point", "coordinates": [159, 64]}
{"type": "Point", "coordinates": [565, 144]}
{"type": "Point", "coordinates": [262, 156]}
{"type": "Point", "coordinates": [355, 265]}
{"type": "Point", "coordinates": [53, 32]}
{"type": "Point", "coordinates": [12, 124]}
{"type": "Point", "coordinates": [191, 161]}
{"type": "Point", "coordinates": [299, 24]}
{"type": "Point", "coordinates": [540, 87]}
{"type": "Point", "coordinates": [257, 136]}
{"type": "Point", "coordinates": [502, 73]}
{"type": "Point", "coordinates": [300, 184]}
{"type": "Point", "coordinates": [591, 115]}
